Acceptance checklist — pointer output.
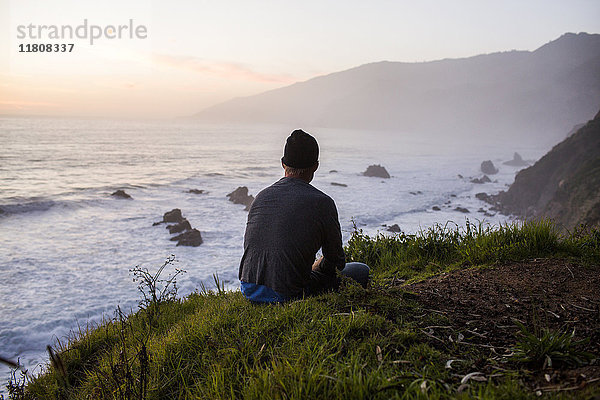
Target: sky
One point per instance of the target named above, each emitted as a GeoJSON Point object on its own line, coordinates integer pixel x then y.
{"type": "Point", "coordinates": [177, 57]}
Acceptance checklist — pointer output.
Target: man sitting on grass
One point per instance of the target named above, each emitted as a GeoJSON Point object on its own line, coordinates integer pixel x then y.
{"type": "Point", "coordinates": [287, 224]}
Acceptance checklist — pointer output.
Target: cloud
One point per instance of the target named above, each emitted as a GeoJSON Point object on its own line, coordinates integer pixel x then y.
{"type": "Point", "coordinates": [229, 70]}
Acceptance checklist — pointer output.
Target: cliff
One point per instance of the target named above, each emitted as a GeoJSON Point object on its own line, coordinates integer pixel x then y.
{"type": "Point", "coordinates": [563, 185]}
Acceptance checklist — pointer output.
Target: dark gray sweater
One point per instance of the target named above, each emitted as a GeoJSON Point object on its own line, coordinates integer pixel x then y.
{"type": "Point", "coordinates": [287, 224]}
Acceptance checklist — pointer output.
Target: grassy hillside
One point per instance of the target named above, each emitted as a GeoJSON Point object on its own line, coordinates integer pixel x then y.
{"type": "Point", "coordinates": [393, 340]}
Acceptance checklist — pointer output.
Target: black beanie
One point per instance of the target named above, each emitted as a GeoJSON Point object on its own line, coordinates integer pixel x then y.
{"type": "Point", "coordinates": [301, 150]}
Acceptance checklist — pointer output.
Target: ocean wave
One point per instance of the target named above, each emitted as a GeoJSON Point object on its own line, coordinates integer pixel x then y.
{"type": "Point", "coordinates": [14, 206]}
{"type": "Point", "coordinates": [27, 206]}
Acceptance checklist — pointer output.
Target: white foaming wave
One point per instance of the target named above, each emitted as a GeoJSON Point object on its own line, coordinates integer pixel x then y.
{"type": "Point", "coordinates": [27, 206]}
{"type": "Point", "coordinates": [69, 200]}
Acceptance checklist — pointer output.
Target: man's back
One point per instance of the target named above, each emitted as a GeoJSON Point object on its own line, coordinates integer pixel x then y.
{"type": "Point", "coordinates": [287, 224]}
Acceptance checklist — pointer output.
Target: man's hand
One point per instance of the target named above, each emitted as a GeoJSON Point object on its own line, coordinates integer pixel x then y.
{"type": "Point", "coordinates": [317, 264]}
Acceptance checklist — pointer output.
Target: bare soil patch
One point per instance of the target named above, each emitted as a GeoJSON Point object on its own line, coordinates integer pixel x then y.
{"type": "Point", "coordinates": [482, 304]}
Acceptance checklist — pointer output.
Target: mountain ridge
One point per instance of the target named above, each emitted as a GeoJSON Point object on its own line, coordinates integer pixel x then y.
{"type": "Point", "coordinates": [516, 93]}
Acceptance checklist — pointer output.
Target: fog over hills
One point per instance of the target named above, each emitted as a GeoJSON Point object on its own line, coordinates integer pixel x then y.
{"type": "Point", "coordinates": [518, 95]}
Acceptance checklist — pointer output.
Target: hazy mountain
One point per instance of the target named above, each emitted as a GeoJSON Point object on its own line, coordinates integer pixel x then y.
{"type": "Point", "coordinates": [563, 185]}
{"type": "Point", "coordinates": [515, 94]}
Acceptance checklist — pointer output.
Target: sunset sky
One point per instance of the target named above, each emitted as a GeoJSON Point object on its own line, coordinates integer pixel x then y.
{"type": "Point", "coordinates": [198, 53]}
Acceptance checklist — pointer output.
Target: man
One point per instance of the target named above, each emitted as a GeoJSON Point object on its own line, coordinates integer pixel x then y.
{"type": "Point", "coordinates": [288, 223]}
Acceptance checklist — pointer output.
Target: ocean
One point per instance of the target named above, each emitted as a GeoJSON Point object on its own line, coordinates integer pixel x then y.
{"type": "Point", "coordinates": [67, 245]}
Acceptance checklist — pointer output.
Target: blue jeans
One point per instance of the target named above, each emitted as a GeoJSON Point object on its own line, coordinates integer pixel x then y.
{"type": "Point", "coordinates": [321, 282]}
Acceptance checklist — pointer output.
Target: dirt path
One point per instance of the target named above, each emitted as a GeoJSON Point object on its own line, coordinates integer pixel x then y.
{"type": "Point", "coordinates": [482, 304]}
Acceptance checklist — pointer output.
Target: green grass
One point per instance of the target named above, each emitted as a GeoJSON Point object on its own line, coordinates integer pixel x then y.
{"type": "Point", "coordinates": [445, 247]}
{"type": "Point", "coordinates": [354, 344]}
{"type": "Point", "coordinates": [545, 348]}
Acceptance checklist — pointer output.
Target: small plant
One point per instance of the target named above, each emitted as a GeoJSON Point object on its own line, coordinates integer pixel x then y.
{"type": "Point", "coordinates": [546, 348]}
{"type": "Point", "coordinates": [17, 382]}
{"type": "Point", "coordinates": [219, 286]}
{"type": "Point", "coordinates": [155, 290]}
{"type": "Point", "coordinates": [16, 386]}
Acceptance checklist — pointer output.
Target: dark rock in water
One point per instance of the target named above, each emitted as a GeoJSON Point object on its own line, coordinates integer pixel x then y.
{"type": "Point", "coordinates": [436, 208]}
{"type": "Point", "coordinates": [339, 184]}
{"type": "Point", "coordinates": [377, 171]}
{"type": "Point", "coordinates": [452, 195]}
{"type": "Point", "coordinates": [173, 216]}
{"type": "Point", "coordinates": [462, 210]}
{"type": "Point", "coordinates": [333, 171]}
{"type": "Point", "coordinates": [485, 212]}
{"type": "Point", "coordinates": [184, 225]}
{"type": "Point", "coordinates": [488, 168]}
{"type": "Point", "coordinates": [240, 196]}
{"type": "Point", "coordinates": [189, 238]}
{"type": "Point", "coordinates": [517, 161]}
{"type": "Point", "coordinates": [483, 179]}
{"type": "Point", "coordinates": [416, 193]}
{"type": "Point", "coordinates": [121, 194]}
{"type": "Point", "coordinates": [196, 191]}
{"type": "Point", "coordinates": [460, 176]}
{"type": "Point", "coordinates": [483, 196]}
{"type": "Point", "coordinates": [394, 228]}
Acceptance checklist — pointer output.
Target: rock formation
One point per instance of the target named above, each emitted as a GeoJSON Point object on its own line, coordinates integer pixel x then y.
{"type": "Point", "coordinates": [120, 194]}
{"type": "Point", "coordinates": [394, 228]}
{"type": "Point", "coordinates": [376, 171]}
{"type": "Point", "coordinates": [488, 168]}
{"type": "Point", "coordinates": [462, 210]}
{"type": "Point", "coordinates": [483, 197]}
{"type": "Point", "coordinates": [171, 216]}
{"type": "Point", "coordinates": [196, 191]}
{"type": "Point", "coordinates": [338, 184]}
{"type": "Point", "coordinates": [188, 236]}
{"type": "Point", "coordinates": [483, 179]}
{"type": "Point", "coordinates": [240, 196]}
{"type": "Point", "coordinates": [184, 225]}
{"type": "Point", "coordinates": [517, 161]}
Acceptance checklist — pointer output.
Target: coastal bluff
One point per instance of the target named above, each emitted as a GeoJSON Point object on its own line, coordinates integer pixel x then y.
{"type": "Point", "coordinates": [564, 185]}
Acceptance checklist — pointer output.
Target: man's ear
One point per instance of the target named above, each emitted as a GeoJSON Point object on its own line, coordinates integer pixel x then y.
{"type": "Point", "coordinates": [316, 167]}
